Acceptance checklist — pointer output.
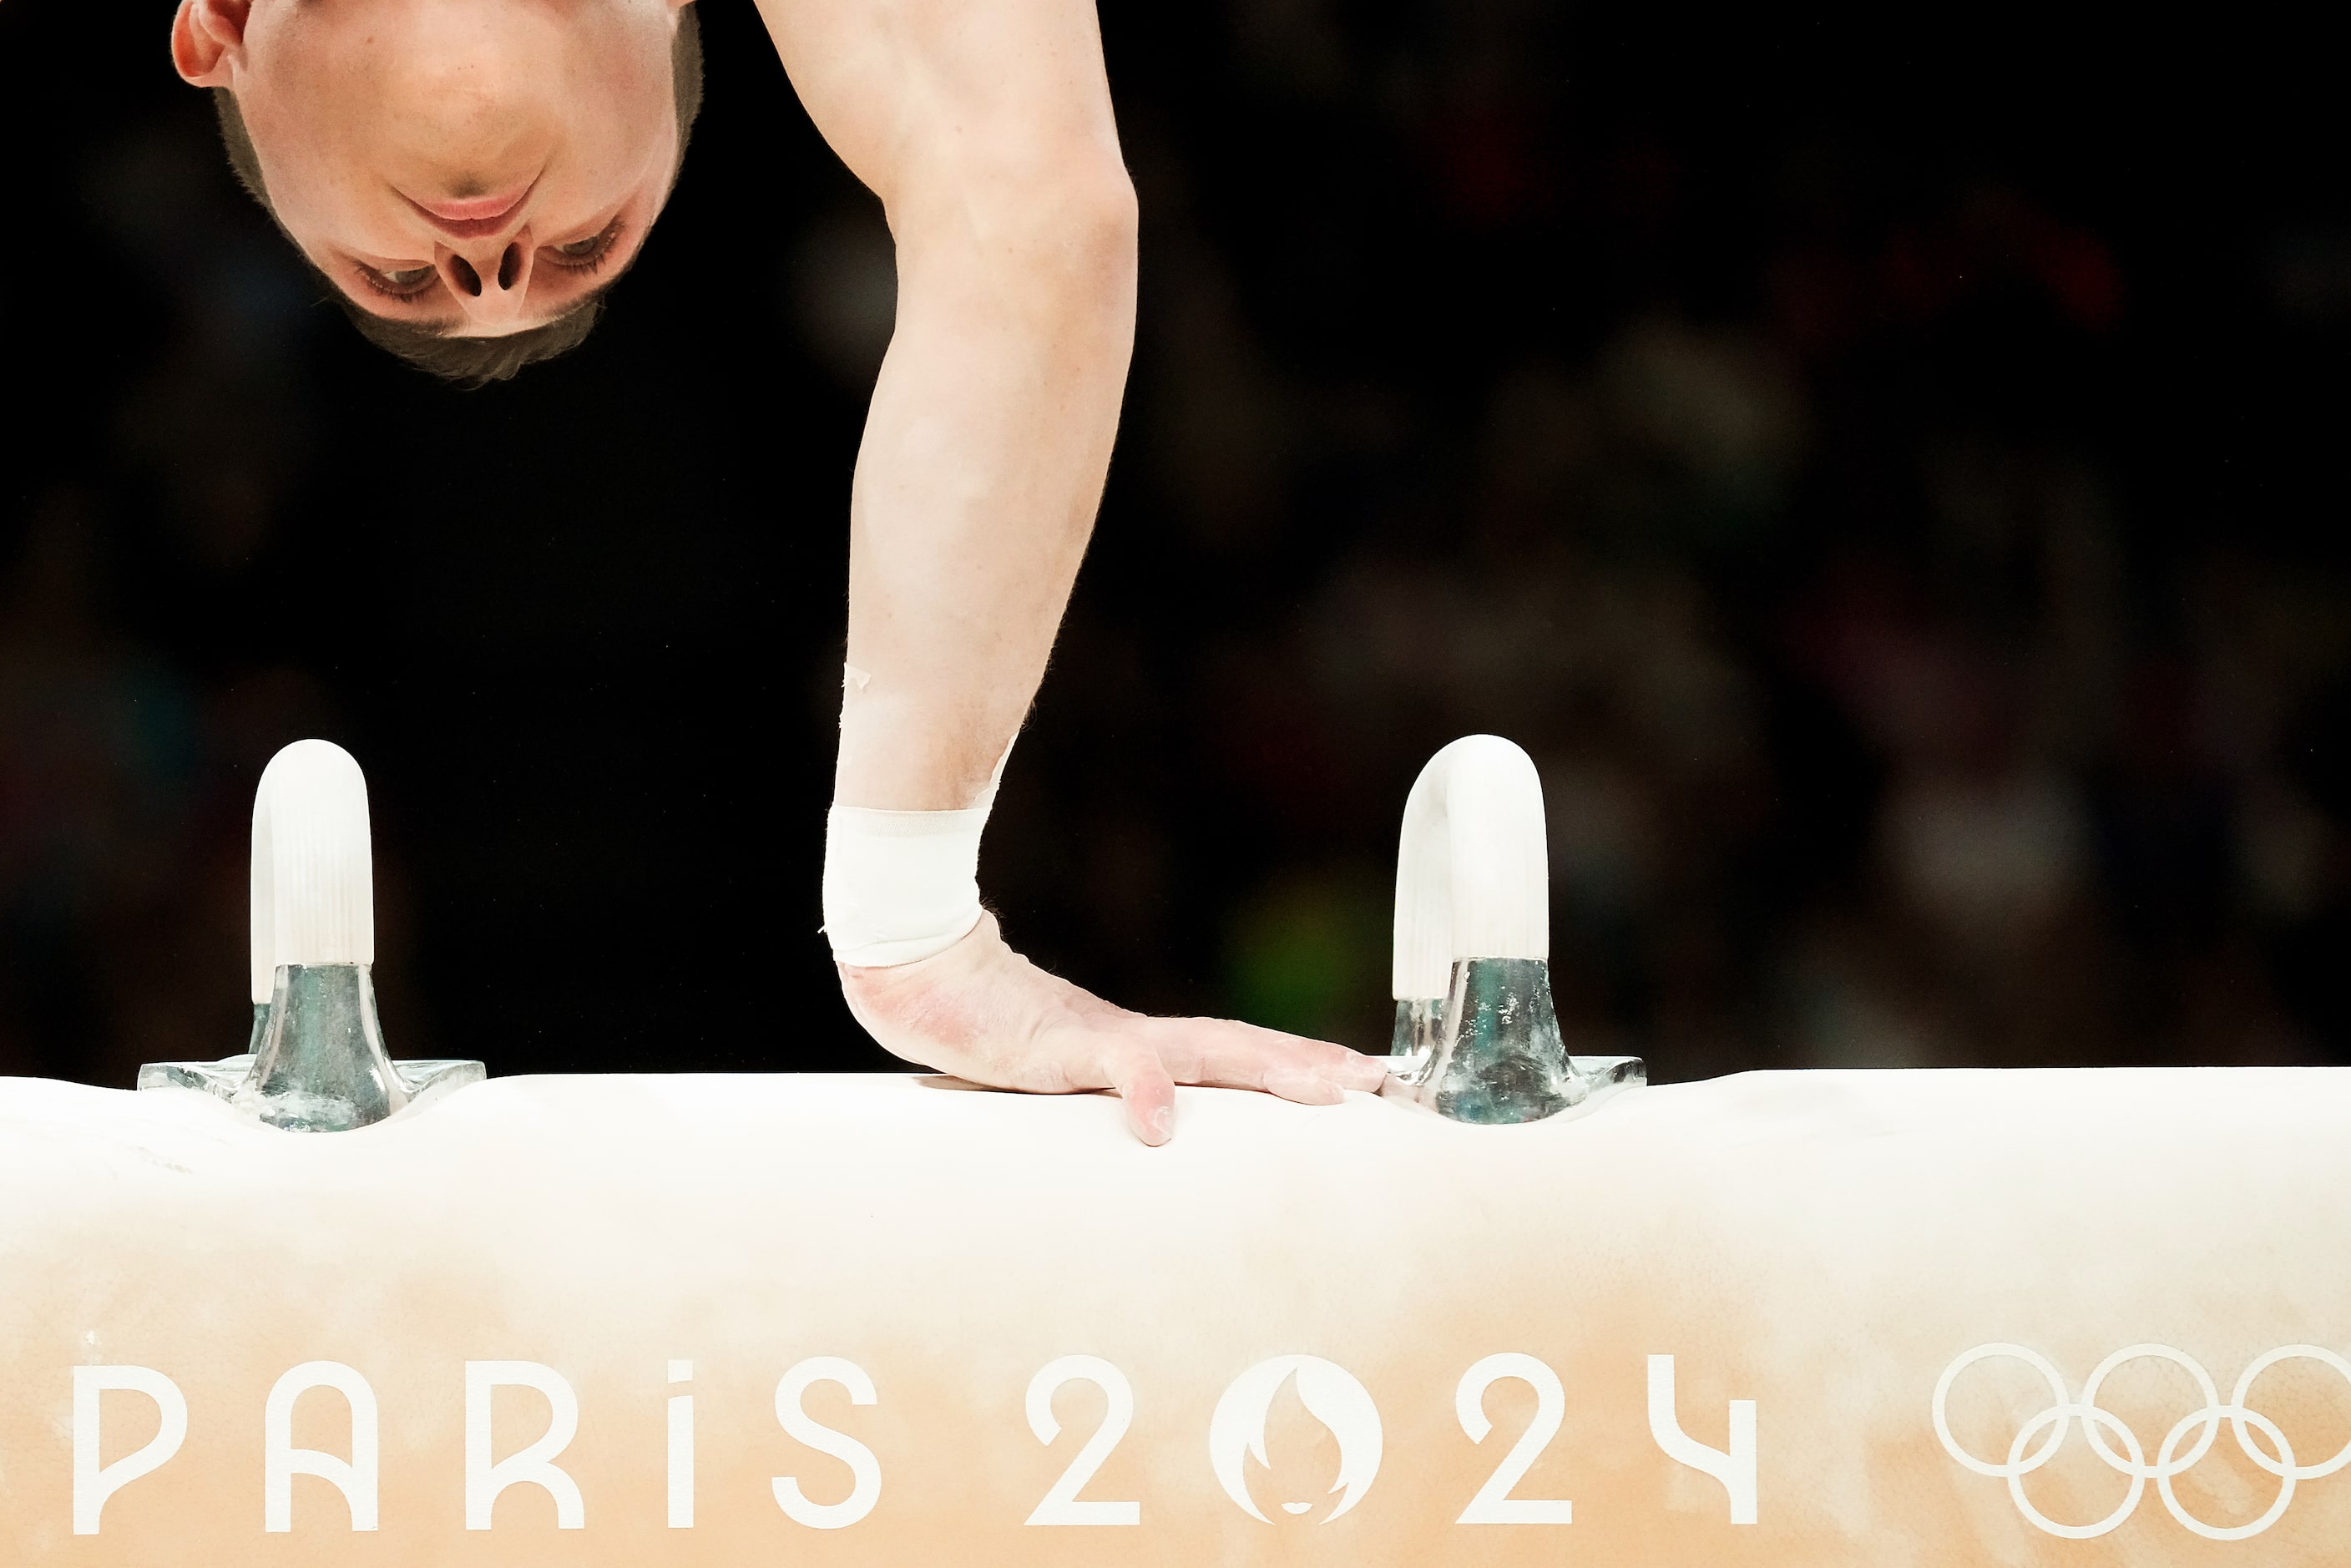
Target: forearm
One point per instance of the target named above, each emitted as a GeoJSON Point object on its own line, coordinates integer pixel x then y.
{"type": "Point", "coordinates": [985, 126]}
{"type": "Point", "coordinates": [983, 462]}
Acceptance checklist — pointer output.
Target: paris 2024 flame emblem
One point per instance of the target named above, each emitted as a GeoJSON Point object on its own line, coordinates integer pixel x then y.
{"type": "Point", "coordinates": [1330, 1393]}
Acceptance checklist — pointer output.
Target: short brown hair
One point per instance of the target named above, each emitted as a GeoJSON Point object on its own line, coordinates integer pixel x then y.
{"type": "Point", "coordinates": [473, 361]}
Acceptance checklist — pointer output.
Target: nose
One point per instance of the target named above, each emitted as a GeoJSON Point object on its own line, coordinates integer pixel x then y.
{"type": "Point", "coordinates": [490, 282]}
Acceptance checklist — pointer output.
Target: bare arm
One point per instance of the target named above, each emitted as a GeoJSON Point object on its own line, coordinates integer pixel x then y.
{"type": "Point", "coordinates": [985, 126]}
{"type": "Point", "coordinates": [986, 130]}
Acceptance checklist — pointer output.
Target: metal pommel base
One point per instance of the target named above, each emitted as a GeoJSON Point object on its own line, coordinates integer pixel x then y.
{"type": "Point", "coordinates": [1490, 1052]}
{"type": "Point", "coordinates": [317, 1062]}
{"type": "Point", "coordinates": [227, 1078]}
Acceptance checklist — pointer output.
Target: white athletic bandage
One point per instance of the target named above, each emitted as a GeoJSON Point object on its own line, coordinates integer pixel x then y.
{"type": "Point", "coordinates": [902, 885]}
{"type": "Point", "coordinates": [899, 885]}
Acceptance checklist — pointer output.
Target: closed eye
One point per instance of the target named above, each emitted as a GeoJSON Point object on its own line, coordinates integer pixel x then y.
{"type": "Point", "coordinates": [587, 254]}
{"type": "Point", "coordinates": [408, 283]}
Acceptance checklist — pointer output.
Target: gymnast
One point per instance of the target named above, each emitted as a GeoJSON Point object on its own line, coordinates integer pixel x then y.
{"type": "Point", "coordinates": [468, 177]}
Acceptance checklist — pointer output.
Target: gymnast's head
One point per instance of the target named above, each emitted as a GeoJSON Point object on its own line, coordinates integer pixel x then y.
{"type": "Point", "coordinates": [469, 176]}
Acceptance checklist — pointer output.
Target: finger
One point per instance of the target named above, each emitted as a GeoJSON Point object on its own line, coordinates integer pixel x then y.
{"type": "Point", "coordinates": [1219, 1050]}
{"type": "Point", "coordinates": [1231, 1050]}
{"type": "Point", "coordinates": [1133, 1069]}
{"type": "Point", "coordinates": [1304, 1085]}
{"type": "Point", "coordinates": [1357, 1070]}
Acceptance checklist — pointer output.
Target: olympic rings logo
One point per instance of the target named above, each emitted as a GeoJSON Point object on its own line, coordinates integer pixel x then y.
{"type": "Point", "coordinates": [2197, 1430]}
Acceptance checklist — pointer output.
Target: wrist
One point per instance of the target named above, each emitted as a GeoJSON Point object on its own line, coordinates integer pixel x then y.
{"type": "Point", "coordinates": [900, 886]}
{"type": "Point", "coordinates": [906, 750]}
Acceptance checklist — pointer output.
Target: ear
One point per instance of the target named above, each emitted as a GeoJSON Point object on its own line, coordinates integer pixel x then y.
{"type": "Point", "coordinates": [208, 41]}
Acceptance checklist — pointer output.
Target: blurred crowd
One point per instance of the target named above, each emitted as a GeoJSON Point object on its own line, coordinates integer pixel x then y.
{"type": "Point", "coordinates": [1925, 663]}
{"type": "Point", "coordinates": [1903, 532]}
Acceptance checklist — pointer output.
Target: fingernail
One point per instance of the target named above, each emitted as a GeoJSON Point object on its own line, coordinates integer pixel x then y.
{"type": "Point", "coordinates": [1163, 1122]}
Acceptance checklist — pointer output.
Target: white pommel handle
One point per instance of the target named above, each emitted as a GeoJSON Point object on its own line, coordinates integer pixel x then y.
{"type": "Point", "coordinates": [310, 819]}
{"type": "Point", "coordinates": [262, 909]}
{"type": "Point", "coordinates": [1472, 874]}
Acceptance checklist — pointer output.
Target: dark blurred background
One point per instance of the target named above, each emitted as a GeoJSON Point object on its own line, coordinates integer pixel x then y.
{"type": "Point", "coordinates": [1887, 469]}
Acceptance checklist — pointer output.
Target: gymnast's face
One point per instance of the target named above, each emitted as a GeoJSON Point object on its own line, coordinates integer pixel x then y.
{"type": "Point", "coordinates": [476, 166]}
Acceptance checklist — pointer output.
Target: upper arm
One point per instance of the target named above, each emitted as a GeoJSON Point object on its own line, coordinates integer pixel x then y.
{"type": "Point", "coordinates": [954, 98]}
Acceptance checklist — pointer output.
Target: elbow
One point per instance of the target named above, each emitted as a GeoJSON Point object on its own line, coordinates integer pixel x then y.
{"type": "Point", "coordinates": [1065, 220]}
{"type": "Point", "coordinates": [1110, 222]}
{"type": "Point", "coordinates": [1097, 228]}
{"type": "Point", "coordinates": [1072, 224]}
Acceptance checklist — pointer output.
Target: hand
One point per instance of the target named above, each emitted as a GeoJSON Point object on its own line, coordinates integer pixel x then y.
{"type": "Point", "coordinates": [982, 1011]}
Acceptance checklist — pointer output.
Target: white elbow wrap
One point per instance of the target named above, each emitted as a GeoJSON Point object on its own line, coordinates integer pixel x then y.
{"type": "Point", "coordinates": [899, 885]}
